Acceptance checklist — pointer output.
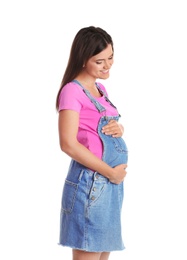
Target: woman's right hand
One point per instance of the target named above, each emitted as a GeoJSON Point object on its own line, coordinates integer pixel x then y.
{"type": "Point", "coordinates": [119, 174]}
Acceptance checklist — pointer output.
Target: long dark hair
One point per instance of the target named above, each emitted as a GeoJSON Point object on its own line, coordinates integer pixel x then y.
{"type": "Point", "coordinates": [88, 42]}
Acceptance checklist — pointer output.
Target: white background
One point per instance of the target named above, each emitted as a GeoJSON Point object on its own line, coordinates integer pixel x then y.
{"type": "Point", "coordinates": [147, 83]}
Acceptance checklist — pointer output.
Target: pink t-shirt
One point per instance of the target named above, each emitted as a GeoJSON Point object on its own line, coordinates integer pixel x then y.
{"type": "Point", "coordinates": [72, 97]}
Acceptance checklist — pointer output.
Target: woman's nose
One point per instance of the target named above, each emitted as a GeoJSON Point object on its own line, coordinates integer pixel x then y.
{"type": "Point", "coordinates": [107, 64]}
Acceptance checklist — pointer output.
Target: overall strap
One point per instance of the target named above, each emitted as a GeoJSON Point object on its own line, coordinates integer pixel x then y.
{"type": "Point", "coordinates": [99, 107]}
{"type": "Point", "coordinates": [105, 96]}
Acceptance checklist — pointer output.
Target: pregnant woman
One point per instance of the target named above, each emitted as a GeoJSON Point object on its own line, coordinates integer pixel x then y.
{"type": "Point", "coordinates": [90, 133]}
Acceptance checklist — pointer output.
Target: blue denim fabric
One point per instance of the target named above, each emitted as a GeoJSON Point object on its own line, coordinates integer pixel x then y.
{"type": "Point", "coordinates": [91, 205]}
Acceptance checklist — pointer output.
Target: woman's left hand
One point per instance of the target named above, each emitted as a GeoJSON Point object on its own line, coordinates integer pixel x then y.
{"type": "Point", "coordinates": [113, 128]}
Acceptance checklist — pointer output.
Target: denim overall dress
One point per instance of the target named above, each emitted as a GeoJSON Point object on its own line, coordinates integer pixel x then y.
{"type": "Point", "coordinates": [90, 218]}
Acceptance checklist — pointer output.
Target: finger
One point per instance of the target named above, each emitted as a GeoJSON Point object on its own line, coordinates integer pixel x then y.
{"type": "Point", "coordinates": [116, 135]}
{"type": "Point", "coordinates": [125, 166]}
{"type": "Point", "coordinates": [113, 130]}
{"type": "Point", "coordinates": [111, 123]}
{"type": "Point", "coordinates": [108, 128]}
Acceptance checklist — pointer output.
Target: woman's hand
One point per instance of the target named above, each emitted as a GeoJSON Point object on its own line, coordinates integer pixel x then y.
{"type": "Point", "coordinates": [113, 128]}
{"type": "Point", "coordinates": [119, 174]}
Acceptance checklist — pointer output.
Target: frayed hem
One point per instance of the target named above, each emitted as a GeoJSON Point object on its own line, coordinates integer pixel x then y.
{"type": "Point", "coordinates": [91, 251]}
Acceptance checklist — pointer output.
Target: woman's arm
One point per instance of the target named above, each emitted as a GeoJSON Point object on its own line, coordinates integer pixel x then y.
{"type": "Point", "coordinates": [68, 128]}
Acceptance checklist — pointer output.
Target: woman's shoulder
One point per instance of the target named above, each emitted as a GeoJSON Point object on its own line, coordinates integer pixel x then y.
{"type": "Point", "coordinates": [72, 91]}
{"type": "Point", "coordinates": [71, 97]}
{"type": "Point", "coordinates": [72, 87]}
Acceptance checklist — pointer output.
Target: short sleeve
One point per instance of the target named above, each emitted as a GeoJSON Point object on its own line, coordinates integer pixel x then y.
{"type": "Point", "coordinates": [70, 97]}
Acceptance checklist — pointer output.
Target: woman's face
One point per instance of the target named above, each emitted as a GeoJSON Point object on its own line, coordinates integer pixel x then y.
{"type": "Point", "coordinates": [99, 65]}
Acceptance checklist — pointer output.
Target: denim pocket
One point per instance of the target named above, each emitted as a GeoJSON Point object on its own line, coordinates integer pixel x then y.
{"type": "Point", "coordinates": [69, 195]}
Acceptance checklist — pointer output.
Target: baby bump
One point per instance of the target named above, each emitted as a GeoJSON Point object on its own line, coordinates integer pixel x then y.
{"type": "Point", "coordinates": [115, 150]}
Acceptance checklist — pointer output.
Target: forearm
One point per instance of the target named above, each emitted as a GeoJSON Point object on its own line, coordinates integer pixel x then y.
{"type": "Point", "coordinates": [81, 154]}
